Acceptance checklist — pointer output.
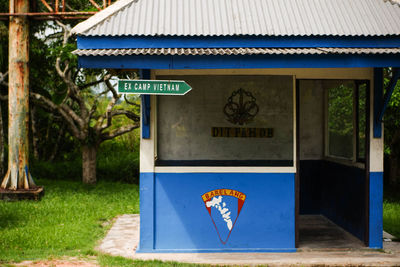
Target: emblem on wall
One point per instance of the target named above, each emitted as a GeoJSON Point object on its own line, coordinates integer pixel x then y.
{"type": "Point", "coordinates": [241, 107]}
{"type": "Point", "coordinates": [224, 206]}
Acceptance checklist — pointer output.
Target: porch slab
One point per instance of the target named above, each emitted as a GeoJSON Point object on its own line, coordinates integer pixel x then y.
{"type": "Point", "coordinates": [123, 237]}
{"type": "Point", "coordinates": [318, 232]}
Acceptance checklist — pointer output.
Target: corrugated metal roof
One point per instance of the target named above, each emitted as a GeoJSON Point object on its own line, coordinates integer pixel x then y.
{"type": "Point", "coordinates": [245, 17]}
{"type": "Point", "coordinates": [233, 51]}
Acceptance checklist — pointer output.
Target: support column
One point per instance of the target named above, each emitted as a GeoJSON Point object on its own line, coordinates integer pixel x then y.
{"type": "Point", "coordinates": [376, 163]}
{"type": "Point", "coordinates": [147, 178]}
{"type": "Point", "coordinates": [18, 176]}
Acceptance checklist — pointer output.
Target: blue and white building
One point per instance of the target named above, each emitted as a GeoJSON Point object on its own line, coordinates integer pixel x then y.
{"type": "Point", "coordinates": [284, 118]}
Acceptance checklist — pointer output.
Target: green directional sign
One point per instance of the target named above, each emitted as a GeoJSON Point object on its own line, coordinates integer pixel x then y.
{"type": "Point", "coordinates": [153, 87]}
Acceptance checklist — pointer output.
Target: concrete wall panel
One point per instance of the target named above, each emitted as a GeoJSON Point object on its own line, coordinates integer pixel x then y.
{"type": "Point", "coordinates": [185, 122]}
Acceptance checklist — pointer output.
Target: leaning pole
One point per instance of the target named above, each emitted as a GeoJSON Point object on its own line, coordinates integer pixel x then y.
{"type": "Point", "coordinates": [18, 175]}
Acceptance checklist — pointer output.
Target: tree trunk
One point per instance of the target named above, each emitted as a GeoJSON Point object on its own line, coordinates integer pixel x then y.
{"type": "Point", "coordinates": [17, 176]}
{"type": "Point", "coordinates": [89, 153]}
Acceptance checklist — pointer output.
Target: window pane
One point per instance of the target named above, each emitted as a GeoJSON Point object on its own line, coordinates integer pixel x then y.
{"type": "Point", "coordinates": [224, 118]}
{"type": "Point", "coordinates": [340, 118]}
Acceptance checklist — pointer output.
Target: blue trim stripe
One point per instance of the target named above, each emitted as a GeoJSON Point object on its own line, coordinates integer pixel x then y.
{"type": "Point", "coordinates": [238, 62]}
{"type": "Point", "coordinates": [107, 42]}
{"type": "Point", "coordinates": [269, 250]}
{"type": "Point", "coordinates": [375, 209]}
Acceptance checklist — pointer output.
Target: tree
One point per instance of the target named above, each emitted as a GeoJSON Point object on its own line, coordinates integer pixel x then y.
{"type": "Point", "coordinates": [79, 106]}
{"type": "Point", "coordinates": [392, 131]}
{"type": "Point", "coordinates": [83, 102]}
{"type": "Point", "coordinates": [18, 175]}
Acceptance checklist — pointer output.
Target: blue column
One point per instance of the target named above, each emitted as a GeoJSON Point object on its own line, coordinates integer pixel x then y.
{"type": "Point", "coordinates": [145, 74]}
{"type": "Point", "coordinates": [375, 209]}
{"type": "Point", "coordinates": [146, 243]}
{"type": "Point", "coordinates": [378, 95]}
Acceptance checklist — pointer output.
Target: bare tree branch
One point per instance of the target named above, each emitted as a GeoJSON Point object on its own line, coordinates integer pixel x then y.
{"type": "Point", "coordinates": [73, 115]}
{"type": "Point", "coordinates": [3, 79]}
{"type": "Point", "coordinates": [95, 103]}
{"type": "Point", "coordinates": [112, 89]}
{"type": "Point", "coordinates": [67, 32]}
{"type": "Point", "coordinates": [108, 115]}
{"type": "Point", "coordinates": [106, 77]}
{"type": "Point", "coordinates": [119, 131]}
{"type": "Point", "coordinates": [127, 113]}
{"type": "Point", "coordinates": [65, 74]}
{"type": "Point", "coordinates": [47, 103]}
{"type": "Point", "coordinates": [129, 102]}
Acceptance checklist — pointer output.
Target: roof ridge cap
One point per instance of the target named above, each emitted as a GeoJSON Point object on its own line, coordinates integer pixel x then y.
{"type": "Point", "coordinates": [393, 2]}
{"type": "Point", "coordinates": [101, 16]}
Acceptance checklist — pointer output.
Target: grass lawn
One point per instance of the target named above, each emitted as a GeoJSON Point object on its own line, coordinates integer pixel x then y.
{"type": "Point", "coordinates": [72, 217]}
{"type": "Point", "coordinates": [391, 211]}
{"type": "Point", "coordinates": [69, 220]}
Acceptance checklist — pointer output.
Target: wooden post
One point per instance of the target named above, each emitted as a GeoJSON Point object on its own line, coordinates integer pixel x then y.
{"type": "Point", "coordinates": [18, 176]}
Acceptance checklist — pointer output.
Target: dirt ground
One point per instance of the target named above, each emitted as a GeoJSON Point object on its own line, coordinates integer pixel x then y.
{"type": "Point", "coordinates": [67, 262]}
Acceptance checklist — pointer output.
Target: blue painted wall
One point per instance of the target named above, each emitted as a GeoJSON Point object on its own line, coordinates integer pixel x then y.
{"type": "Point", "coordinates": [146, 211]}
{"type": "Point", "coordinates": [172, 207]}
{"type": "Point", "coordinates": [375, 209]}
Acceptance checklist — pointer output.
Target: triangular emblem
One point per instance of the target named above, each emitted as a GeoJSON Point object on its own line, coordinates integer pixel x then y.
{"type": "Point", "coordinates": [224, 206]}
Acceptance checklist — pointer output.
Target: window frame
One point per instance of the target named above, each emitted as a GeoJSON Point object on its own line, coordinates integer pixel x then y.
{"type": "Point", "coordinates": [355, 159]}
{"type": "Point", "coordinates": [228, 165]}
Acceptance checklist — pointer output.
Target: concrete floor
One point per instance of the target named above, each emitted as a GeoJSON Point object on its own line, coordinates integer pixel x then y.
{"type": "Point", "coordinates": [317, 232]}
{"type": "Point", "coordinates": [325, 250]}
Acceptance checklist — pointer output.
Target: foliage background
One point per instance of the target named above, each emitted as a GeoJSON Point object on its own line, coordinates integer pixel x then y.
{"type": "Point", "coordinates": [118, 159]}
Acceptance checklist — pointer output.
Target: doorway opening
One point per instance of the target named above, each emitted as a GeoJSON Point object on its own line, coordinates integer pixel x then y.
{"type": "Point", "coordinates": [332, 163]}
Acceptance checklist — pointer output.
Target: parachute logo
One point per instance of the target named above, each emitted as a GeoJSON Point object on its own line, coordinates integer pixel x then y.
{"type": "Point", "coordinates": [224, 206]}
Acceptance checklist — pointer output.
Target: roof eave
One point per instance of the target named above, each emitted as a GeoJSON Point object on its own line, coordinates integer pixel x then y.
{"type": "Point", "coordinates": [82, 27]}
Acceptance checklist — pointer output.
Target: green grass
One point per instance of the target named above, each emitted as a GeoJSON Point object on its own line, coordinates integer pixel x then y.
{"type": "Point", "coordinates": [110, 261]}
{"type": "Point", "coordinates": [68, 221]}
{"type": "Point", "coordinates": [72, 217]}
{"type": "Point", "coordinates": [391, 211]}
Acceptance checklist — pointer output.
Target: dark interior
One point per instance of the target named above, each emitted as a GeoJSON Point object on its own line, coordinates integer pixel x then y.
{"type": "Point", "coordinates": [335, 191]}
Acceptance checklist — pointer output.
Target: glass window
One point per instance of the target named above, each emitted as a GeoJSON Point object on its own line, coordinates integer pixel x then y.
{"type": "Point", "coordinates": [347, 118]}
{"type": "Point", "coordinates": [340, 119]}
{"type": "Point", "coordinates": [227, 120]}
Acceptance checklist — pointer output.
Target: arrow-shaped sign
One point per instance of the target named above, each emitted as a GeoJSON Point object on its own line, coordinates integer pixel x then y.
{"type": "Point", "coordinates": [153, 87]}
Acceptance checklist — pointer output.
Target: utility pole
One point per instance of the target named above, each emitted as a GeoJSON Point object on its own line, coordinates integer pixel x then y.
{"type": "Point", "coordinates": [18, 176]}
